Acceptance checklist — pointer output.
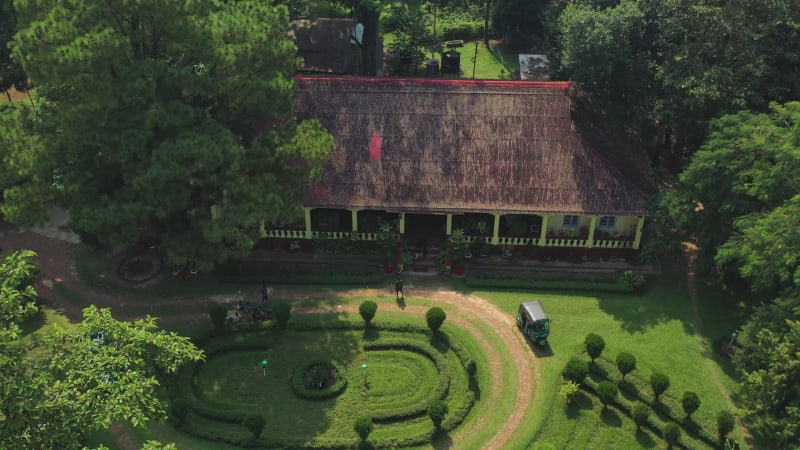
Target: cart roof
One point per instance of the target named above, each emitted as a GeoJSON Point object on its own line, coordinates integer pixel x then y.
{"type": "Point", "coordinates": [534, 310]}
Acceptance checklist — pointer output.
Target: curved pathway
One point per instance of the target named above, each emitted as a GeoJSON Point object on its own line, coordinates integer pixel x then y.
{"type": "Point", "coordinates": [57, 268]}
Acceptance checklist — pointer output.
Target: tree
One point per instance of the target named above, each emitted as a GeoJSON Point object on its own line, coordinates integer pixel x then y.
{"type": "Point", "coordinates": [58, 389]}
{"type": "Point", "coordinates": [672, 433]}
{"type": "Point", "coordinates": [255, 423]}
{"type": "Point", "coordinates": [436, 411]}
{"type": "Point", "coordinates": [282, 312]}
{"type": "Point", "coordinates": [641, 414]}
{"type": "Point", "coordinates": [17, 296]}
{"type": "Point", "coordinates": [725, 423]}
{"type": "Point", "coordinates": [520, 22]}
{"type": "Point", "coordinates": [218, 313]}
{"type": "Point", "coordinates": [659, 383]}
{"type": "Point", "coordinates": [626, 363]}
{"type": "Point", "coordinates": [690, 403]}
{"type": "Point", "coordinates": [363, 427]}
{"type": "Point", "coordinates": [742, 182]}
{"type": "Point", "coordinates": [594, 345]}
{"type": "Point", "coordinates": [770, 383]}
{"type": "Point", "coordinates": [607, 392]}
{"type": "Point", "coordinates": [435, 318]}
{"type": "Point", "coordinates": [175, 120]}
{"type": "Point", "coordinates": [576, 370]}
{"type": "Point", "coordinates": [367, 310]}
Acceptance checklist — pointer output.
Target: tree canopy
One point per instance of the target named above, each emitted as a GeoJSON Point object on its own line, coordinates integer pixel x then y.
{"type": "Point", "coordinates": [173, 119]}
{"type": "Point", "coordinates": [58, 385]}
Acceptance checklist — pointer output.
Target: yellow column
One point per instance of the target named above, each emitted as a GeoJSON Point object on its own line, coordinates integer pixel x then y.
{"type": "Point", "coordinates": [638, 239]}
{"type": "Point", "coordinates": [449, 224]}
{"type": "Point", "coordinates": [590, 240]}
{"type": "Point", "coordinates": [262, 230]}
{"type": "Point", "coordinates": [496, 230]}
{"type": "Point", "coordinates": [402, 223]}
{"type": "Point", "coordinates": [354, 215]}
{"type": "Point", "coordinates": [543, 232]}
{"type": "Point", "coordinates": [308, 222]}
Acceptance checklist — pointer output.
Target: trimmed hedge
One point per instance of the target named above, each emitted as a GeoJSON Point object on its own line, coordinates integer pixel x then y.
{"type": "Point", "coordinates": [524, 281]}
{"type": "Point", "coordinates": [450, 370]}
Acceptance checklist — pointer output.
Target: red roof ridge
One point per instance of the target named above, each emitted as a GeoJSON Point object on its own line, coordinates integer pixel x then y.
{"type": "Point", "coordinates": [445, 82]}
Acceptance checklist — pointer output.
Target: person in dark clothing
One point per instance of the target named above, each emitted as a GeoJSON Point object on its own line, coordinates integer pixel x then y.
{"type": "Point", "coordinates": [264, 294]}
{"type": "Point", "coordinates": [398, 289]}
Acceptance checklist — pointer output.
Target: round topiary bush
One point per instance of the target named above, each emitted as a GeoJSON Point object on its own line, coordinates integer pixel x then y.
{"type": "Point", "coordinates": [217, 313]}
{"type": "Point", "coordinates": [367, 311]}
{"type": "Point", "coordinates": [626, 363]}
{"type": "Point", "coordinates": [659, 382]}
{"type": "Point", "coordinates": [725, 423]}
{"type": "Point", "coordinates": [281, 312]}
{"type": "Point", "coordinates": [690, 403]}
{"type": "Point", "coordinates": [318, 380]}
{"type": "Point", "coordinates": [607, 392]}
{"type": "Point", "coordinates": [576, 370]}
{"type": "Point", "coordinates": [363, 427]}
{"type": "Point", "coordinates": [255, 423]}
{"type": "Point", "coordinates": [435, 317]}
{"type": "Point", "coordinates": [594, 345]}
{"type": "Point", "coordinates": [640, 414]}
{"type": "Point", "coordinates": [672, 433]}
{"type": "Point", "coordinates": [436, 411]}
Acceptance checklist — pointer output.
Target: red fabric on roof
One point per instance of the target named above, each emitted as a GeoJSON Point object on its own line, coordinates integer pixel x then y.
{"type": "Point", "coordinates": [375, 148]}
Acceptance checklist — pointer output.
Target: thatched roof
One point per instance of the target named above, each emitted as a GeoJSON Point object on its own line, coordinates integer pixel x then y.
{"type": "Point", "coordinates": [324, 45]}
{"type": "Point", "coordinates": [460, 146]}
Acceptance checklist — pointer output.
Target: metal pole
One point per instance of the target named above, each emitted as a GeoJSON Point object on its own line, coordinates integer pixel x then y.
{"type": "Point", "coordinates": [475, 60]}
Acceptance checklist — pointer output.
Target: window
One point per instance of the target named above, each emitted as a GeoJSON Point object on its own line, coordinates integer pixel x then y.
{"type": "Point", "coordinates": [608, 223]}
{"type": "Point", "coordinates": [570, 222]}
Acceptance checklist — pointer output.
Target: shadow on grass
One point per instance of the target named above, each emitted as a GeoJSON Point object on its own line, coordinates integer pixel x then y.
{"type": "Point", "coordinates": [442, 440]}
{"type": "Point", "coordinates": [610, 417]}
{"type": "Point", "coordinates": [540, 351]}
{"type": "Point", "coordinates": [580, 401]}
{"type": "Point", "coordinates": [371, 334]}
{"type": "Point", "coordinates": [644, 439]}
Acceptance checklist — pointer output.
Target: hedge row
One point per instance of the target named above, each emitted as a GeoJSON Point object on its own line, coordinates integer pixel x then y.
{"type": "Point", "coordinates": [485, 280]}
{"type": "Point", "coordinates": [439, 392]}
{"type": "Point", "coordinates": [667, 407]}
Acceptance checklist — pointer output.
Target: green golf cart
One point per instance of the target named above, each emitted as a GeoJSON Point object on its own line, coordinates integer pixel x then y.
{"type": "Point", "coordinates": [533, 322]}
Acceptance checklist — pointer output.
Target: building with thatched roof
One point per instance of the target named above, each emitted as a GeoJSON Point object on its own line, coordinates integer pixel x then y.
{"type": "Point", "coordinates": [502, 160]}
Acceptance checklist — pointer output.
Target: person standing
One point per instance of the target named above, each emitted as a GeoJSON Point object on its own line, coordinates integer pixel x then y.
{"type": "Point", "coordinates": [398, 289]}
{"type": "Point", "coordinates": [264, 294]}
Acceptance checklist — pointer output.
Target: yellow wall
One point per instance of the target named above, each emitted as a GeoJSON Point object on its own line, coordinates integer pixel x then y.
{"type": "Point", "coordinates": [624, 225]}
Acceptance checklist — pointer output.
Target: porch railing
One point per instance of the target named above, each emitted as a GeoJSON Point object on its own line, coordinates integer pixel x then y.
{"type": "Point", "coordinates": [336, 235]}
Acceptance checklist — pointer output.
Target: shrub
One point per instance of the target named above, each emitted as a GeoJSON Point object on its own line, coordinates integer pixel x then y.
{"type": "Point", "coordinates": [672, 433]}
{"type": "Point", "coordinates": [632, 280]}
{"type": "Point", "coordinates": [659, 382]}
{"type": "Point", "coordinates": [281, 312]}
{"type": "Point", "coordinates": [363, 427]}
{"type": "Point", "coordinates": [690, 403]}
{"type": "Point", "coordinates": [367, 310]}
{"type": "Point", "coordinates": [725, 422]}
{"type": "Point", "coordinates": [568, 390]}
{"type": "Point", "coordinates": [640, 414]}
{"type": "Point", "coordinates": [318, 380]}
{"type": "Point", "coordinates": [607, 392]}
{"type": "Point", "coordinates": [626, 363]}
{"type": "Point", "coordinates": [576, 370]}
{"type": "Point", "coordinates": [435, 317]}
{"type": "Point", "coordinates": [218, 313]}
{"type": "Point", "coordinates": [437, 411]}
{"type": "Point", "coordinates": [594, 345]}
{"type": "Point", "coordinates": [255, 423]}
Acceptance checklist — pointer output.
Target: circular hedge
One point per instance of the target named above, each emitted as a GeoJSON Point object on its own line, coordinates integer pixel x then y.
{"type": "Point", "coordinates": [318, 380]}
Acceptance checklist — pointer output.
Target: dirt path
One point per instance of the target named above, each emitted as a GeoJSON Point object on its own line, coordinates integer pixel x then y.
{"type": "Point", "coordinates": [465, 311]}
{"type": "Point", "coordinates": [690, 257]}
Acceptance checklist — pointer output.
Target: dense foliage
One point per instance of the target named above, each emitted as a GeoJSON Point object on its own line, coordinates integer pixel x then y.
{"type": "Point", "coordinates": [171, 121]}
{"type": "Point", "coordinates": [363, 427]}
{"type": "Point", "coordinates": [576, 370]}
{"type": "Point", "coordinates": [690, 403]}
{"type": "Point", "coordinates": [626, 363]}
{"type": "Point", "coordinates": [594, 345]}
{"type": "Point", "coordinates": [435, 318]}
{"type": "Point", "coordinates": [607, 392]}
{"type": "Point", "coordinates": [436, 412]}
{"type": "Point", "coordinates": [659, 382]}
{"type": "Point", "coordinates": [367, 310]}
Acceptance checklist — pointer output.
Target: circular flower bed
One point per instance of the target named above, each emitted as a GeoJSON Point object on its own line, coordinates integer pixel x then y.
{"type": "Point", "coordinates": [318, 380]}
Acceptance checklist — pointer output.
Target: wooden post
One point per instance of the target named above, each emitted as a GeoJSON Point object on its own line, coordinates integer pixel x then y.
{"type": "Point", "coordinates": [592, 225]}
{"type": "Point", "coordinates": [449, 230]}
{"type": "Point", "coordinates": [543, 232]}
{"type": "Point", "coordinates": [308, 222]}
{"type": "Point", "coordinates": [496, 230]}
{"type": "Point", "coordinates": [638, 239]}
